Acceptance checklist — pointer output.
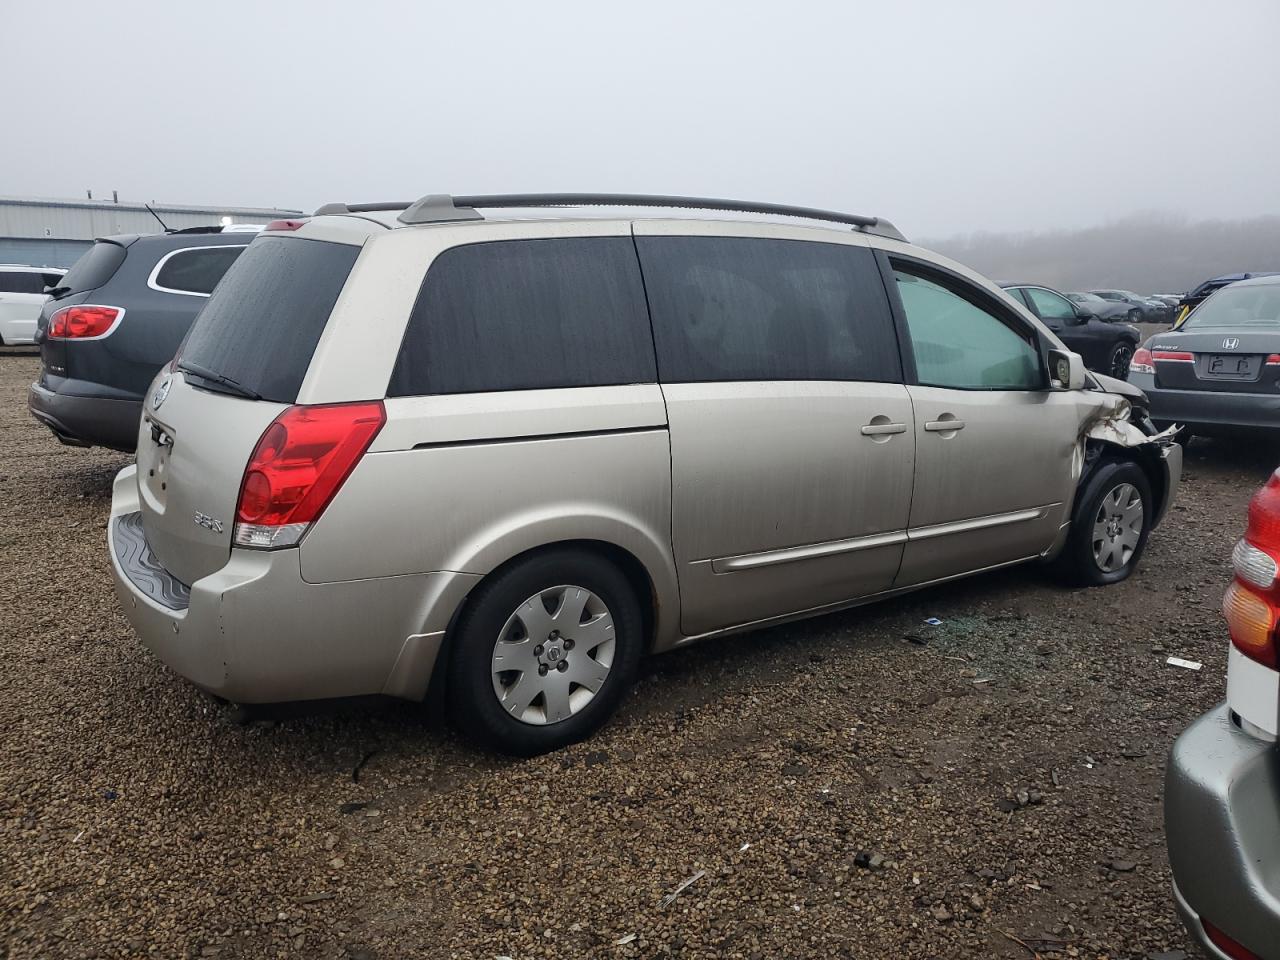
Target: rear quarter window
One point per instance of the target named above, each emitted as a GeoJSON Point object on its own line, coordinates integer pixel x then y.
{"type": "Point", "coordinates": [194, 271]}
{"type": "Point", "coordinates": [527, 314]}
{"type": "Point", "coordinates": [261, 325]}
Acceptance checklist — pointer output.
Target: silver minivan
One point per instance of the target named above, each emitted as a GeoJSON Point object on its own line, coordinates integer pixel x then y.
{"type": "Point", "coordinates": [411, 448]}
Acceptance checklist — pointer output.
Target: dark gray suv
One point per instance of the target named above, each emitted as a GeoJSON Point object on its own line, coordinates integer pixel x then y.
{"type": "Point", "coordinates": [116, 319]}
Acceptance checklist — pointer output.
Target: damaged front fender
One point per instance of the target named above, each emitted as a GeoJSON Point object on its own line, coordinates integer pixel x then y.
{"type": "Point", "coordinates": [1111, 426]}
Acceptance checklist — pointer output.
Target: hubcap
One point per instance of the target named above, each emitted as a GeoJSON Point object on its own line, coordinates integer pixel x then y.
{"type": "Point", "coordinates": [1117, 527]}
{"type": "Point", "coordinates": [553, 655]}
{"type": "Point", "coordinates": [1120, 367]}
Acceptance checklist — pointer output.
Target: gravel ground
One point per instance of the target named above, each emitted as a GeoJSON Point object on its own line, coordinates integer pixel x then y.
{"type": "Point", "coordinates": [838, 789]}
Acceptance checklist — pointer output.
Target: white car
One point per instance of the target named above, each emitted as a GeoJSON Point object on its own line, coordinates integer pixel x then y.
{"type": "Point", "coordinates": [22, 293]}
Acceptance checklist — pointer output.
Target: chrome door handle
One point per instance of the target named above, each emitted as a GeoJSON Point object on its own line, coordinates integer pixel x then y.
{"type": "Point", "coordinates": [881, 429]}
{"type": "Point", "coordinates": [944, 426]}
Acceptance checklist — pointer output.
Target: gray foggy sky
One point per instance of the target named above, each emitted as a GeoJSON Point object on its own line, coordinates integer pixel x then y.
{"type": "Point", "coordinates": [945, 117]}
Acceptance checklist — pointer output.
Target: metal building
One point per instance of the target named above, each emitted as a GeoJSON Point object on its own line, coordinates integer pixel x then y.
{"type": "Point", "coordinates": [53, 233]}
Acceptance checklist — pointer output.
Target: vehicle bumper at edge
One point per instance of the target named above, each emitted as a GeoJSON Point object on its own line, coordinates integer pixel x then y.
{"type": "Point", "coordinates": [1222, 822]}
{"type": "Point", "coordinates": [1171, 459]}
{"type": "Point", "coordinates": [256, 632]}
{"type": "Point", "coordinates": [1209, 409]}
{"type": "Point", "coordinates": [87, 421]}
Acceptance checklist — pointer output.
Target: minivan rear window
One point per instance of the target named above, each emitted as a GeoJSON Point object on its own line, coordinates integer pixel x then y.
{"type": "Point", "coordinates": [261, 326]}
{"type": "Point", "coordinates": [98, 265]}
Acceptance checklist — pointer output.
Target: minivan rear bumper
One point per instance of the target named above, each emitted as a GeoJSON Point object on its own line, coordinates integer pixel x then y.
{"type": "Point", "coordinates": [256, 632]}
{"type": "Point", "coordinates": [87, 421]}
{"type": "Point", "coordinates": [1222, 822]}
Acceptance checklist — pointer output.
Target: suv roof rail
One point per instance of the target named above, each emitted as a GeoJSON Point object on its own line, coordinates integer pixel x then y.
{"type": "Point", "coordinates": [443, 208]}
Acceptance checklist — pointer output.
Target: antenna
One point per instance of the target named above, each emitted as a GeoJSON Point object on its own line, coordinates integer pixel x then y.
{"type": "Point", "coordinates": [157, 216]}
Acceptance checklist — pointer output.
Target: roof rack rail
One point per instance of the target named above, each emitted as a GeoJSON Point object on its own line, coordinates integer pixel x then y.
{"type": "Point", "coordinates": [443, 208]}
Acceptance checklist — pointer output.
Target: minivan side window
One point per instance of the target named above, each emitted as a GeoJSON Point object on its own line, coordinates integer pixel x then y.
{"type": "Point", "coordinates": [744, 308]}
{"type": "Point", "coordinates": [960, 345]}
{"type": "Point", "coordinates": [195, 271]}
{"type": "Point", "coordinates": [526, 315]}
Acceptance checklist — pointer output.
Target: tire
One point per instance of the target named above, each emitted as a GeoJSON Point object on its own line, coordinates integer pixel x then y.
{"type": "Point", "coordinates": [1118, 360]}
{"type": "Point", "coordinates": [545, 706]}
{"type": "Point", "coordinates": [1092, 556]}
{"type": "Point", "coordinates": [1135, 316]}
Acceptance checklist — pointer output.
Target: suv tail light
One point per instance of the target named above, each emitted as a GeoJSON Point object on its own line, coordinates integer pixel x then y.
{"type": "Point", "coordinates": [1142, 362]}
{"type": "Point", "coordinates": [298, 466]}
{"type": "Point", "coordinates": [83, 321]}
{"type": "Point", "coordinates": [1252, 603]}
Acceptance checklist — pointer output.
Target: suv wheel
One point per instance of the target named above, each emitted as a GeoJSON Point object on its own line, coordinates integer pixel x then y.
{"type": "Point", "coordinates": [544, 652]}
{"type": "Point", "coordinates": [1119, 359]}
{"type": "Point", "coordinates": [1110, 526]}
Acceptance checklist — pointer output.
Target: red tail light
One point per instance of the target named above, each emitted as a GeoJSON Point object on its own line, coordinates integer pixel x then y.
{"type": "Point", "coordinates": [83, 322]}
{"type": "Point", "coordinates": [1173, 356]}
{"type": "Point", "coordinates": [1142, 361]}
{"type": "Point", "coordinates": [298, 466]}
{"type": "Point", "coordinates": [1252, 603]}
{"type": "Point", "coordinates": [1273, 360]}
{"type": "Point", "coordinates": [284, 225]}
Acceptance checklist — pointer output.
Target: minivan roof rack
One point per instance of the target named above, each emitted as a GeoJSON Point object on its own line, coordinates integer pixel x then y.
{"type": "Point", "coordinates": [443, 208]}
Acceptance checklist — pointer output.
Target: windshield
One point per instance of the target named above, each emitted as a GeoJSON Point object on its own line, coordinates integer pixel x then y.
{"type": "Point", "coordinates": [1239, 306]}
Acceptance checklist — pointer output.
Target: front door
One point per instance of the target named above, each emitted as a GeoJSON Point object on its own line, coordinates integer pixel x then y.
{"type": "Point", "coordinates": [792, 436]}
{"type": "Point", "coordinates": [995, 446]}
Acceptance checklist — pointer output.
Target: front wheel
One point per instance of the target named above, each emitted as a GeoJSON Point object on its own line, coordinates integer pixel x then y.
{"type": "Point", "coordinates": [1135, 316]}
{"type": "Point", "coordinates": [1119, 359]}
{"type": "Point", "coordinates": [1110, 526]}
{"type": "Point", "coordinates": [544, 652]}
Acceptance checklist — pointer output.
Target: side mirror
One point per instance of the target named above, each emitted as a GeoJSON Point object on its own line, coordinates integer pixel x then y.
{"type": "Point", "coordinates": [1066, 370]}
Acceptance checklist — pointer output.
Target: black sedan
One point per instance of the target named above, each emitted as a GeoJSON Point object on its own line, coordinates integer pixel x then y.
{"type": "Point", "coordinates": [1105, 345]}
{"type": "Point", "coordinates": [1219, 372]}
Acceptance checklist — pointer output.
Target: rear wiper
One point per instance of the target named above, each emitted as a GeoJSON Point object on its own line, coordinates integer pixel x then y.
{"type": "Point", "coordinates": [232, 386]}
{"type": "Point", "coordinates": [56, 292]}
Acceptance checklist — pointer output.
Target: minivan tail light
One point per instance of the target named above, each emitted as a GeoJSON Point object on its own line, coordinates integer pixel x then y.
{"type": "Point", "coordinates": [1252, 602]}
{"type": "Point", "coordinates": [83, 322]}
{"type": "Point", "coordinates": [1142, 362]}
{"type": "Point", "coordinates": [301, 461]}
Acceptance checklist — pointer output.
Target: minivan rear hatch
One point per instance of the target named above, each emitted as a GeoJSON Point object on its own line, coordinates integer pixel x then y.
{"type": "Point", "coordinates": [242, 366]}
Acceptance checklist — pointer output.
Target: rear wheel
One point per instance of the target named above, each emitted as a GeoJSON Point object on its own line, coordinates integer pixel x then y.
{"type": "Point", "coordinates": [1110, 526]}
{"type": "Point", "coordinates": [1119, 359]}
{"type": "Point", "coordinates": [545, 652]}
{"type": "Point", "coordinates": [1135, 316]}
